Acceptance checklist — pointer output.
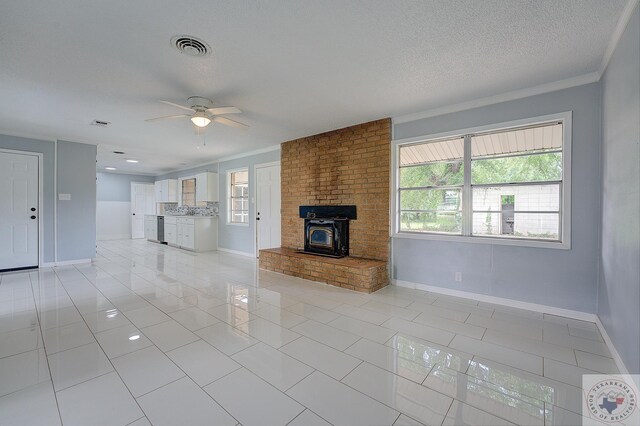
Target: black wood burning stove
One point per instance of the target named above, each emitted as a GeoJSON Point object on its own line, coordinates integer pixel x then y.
{"type": "Point", "coordinates": [326, 229]}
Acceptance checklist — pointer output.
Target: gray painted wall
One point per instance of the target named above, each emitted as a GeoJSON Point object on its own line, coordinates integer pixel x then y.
{"type": "Point", "coordinates": [561, 278]}
{"type": "Point", "coordinates": [76, 217]}
{"type": "Point", "coordinates": [619, 289]}
{"type": "Point", "coordinates": [117, 186]}
{"type": "Point", "coordinates": [237, 237]}
{"type": "Point", "coordinates": [47, 148]}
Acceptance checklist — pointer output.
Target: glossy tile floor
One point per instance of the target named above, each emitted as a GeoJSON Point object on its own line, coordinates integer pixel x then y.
{"type": "Point", "coordinates": [149, 334]}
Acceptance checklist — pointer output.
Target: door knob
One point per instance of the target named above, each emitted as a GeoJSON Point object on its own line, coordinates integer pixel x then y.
{"type": "Point", "coordinates": [33, 217]}
{"type": "Point", "coordinates": [33, 209]}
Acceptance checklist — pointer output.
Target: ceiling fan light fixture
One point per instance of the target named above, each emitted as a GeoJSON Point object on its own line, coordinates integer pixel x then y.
{"type": "Point", "coordinates": [200, 119]}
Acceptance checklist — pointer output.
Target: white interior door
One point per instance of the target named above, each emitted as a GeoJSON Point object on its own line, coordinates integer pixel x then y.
{"type": "Point", "coordinates": [19, 211]}
{"type": "Point", "coordinates": [268, 206]}
{"type": "Point", "coordinates": [142, 202]}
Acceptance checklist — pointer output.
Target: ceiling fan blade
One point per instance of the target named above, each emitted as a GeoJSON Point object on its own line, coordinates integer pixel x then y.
{"type": "Point", "coordinates": [230, 122]}
{"type": "Point", "coordinates": [223, 110]}
{"type": "Point", "coordinates": [167, 117]}
{"type": "Point", "coordinates": [177, 106]}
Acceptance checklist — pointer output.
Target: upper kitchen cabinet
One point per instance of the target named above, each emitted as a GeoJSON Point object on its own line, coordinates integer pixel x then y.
{"type": "Point", "coordinates": [196, 189]}
{"type": "Point", "coordinates": [206, 187]}
{"type": "Point", "coordinates": [167, 191]}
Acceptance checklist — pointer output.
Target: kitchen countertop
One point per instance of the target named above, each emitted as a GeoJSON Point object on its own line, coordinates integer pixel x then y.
{"type": "Point", "coordinates": [191, 217]}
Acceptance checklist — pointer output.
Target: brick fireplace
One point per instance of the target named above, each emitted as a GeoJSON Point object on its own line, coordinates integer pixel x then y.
{"type": "Point", "coordinates": [349, 166]}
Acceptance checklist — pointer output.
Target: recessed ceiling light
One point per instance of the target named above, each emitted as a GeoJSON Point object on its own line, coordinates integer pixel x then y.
{"type": "Point", "coordinates": [134, 337]}
{"type": "Point", "coordinates": [132, 161]}
{"type": "Point", "coordinates": [109, 168]}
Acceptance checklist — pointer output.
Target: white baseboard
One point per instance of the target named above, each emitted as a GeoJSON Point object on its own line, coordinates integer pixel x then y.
{"type": "Point", "coordinates": [568, 313]}
{"type": "Point", "coordinates": [614, 352]}
{"type": "Point", "coordinates": [64, 263]}
{"type": "Point", "coordinates": [582, 316]}
{"type": "Point", "coordinates": [114, 237]}
{"type": "Point", "coordinates": [241, 253]}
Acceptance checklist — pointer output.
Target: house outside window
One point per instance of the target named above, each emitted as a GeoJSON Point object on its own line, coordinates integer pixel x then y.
{"type": "Point", "coordinates": [509, 183]}
{"type": "Point", "coordinates": [238, 196]}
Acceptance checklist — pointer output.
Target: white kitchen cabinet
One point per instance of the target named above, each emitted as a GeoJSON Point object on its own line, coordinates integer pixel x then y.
{"type": "Point", "coordinates": [195, 233]}
{"type": "Point", "coordinates": [171, 230]}
{"type": "Point", "coordinates": [170, 233]}
{"type": "Point", "coordinates": [207, 187]}
{"type": "Point", "coordinates": [167, 191]}
{"type": "Point", "coordinates": [151, 227]}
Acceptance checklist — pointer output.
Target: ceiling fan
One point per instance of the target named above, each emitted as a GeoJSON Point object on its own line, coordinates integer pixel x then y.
{"type": "Point", "coordinates": [203, 112]}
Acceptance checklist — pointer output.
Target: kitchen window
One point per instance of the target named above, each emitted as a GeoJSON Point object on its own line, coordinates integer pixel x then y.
{"type": "Point", "coordinates": [238, 196]}
{"type": "Point", "coordinates": [503, 184]}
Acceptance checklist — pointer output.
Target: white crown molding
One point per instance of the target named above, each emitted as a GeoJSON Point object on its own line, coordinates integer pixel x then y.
{"type": "Point", "coordinates": [503, 97]}
{"type": "Point", "coordinates": [250, 153]}
{"type": "Point", "coordinates": [27, 136]}
{"type": "Point", "coordinates": [217, 161]}
{"type": "Point", "coordinates": [627, 12]}
{"type": "Point", "coordinates": [124, 172]}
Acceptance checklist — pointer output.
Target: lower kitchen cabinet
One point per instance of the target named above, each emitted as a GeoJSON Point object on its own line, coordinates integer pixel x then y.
{"type": "Point", "coordinates": [193, 233]}
{"type": "Point", "coordinates": [151, 227]}
{"type": "Point", "coordinates": [170, 233]}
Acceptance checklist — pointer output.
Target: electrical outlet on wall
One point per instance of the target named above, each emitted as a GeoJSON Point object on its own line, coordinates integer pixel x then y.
{"type": "Point", "coordinates": [458, 277]}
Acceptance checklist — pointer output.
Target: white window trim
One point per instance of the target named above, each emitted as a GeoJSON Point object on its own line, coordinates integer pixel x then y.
{"type": "Point", "coordinates": [228, 195]}
{"type": "Point", "coordinates": [565, 211]}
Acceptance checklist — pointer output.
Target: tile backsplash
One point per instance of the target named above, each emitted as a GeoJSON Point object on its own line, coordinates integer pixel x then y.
{"type": "Point", "coordinates": [211, 209]}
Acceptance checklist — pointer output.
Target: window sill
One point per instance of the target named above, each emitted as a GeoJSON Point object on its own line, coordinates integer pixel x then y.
{"type": "Point", "coordinates": [243, 225]}
{"type": "Point", "coordinates": [565, 245]}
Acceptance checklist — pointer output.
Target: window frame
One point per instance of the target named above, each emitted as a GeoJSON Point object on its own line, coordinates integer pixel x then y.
{"type": "Point", "coordinates": [564, 241]}
{"type": "Point", "coordinates": [195, 182]}
{"type": "Point", "coordinates": [230, 197]}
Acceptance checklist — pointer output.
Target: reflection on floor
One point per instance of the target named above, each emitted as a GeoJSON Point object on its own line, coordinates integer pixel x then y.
{"type": "Point", "coordinates": [148, 334]}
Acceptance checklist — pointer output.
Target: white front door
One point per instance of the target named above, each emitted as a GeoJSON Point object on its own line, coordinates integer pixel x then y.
{"type": "Point", "coordinates": [268, 206]}
{"type": "Point", "coordinates": [142, 202]}
{"type": "Point", "coordinates": [19, 211]}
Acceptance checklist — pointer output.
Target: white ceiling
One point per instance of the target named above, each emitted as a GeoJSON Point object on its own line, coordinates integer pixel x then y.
{"type": "Point", "coordinates": [295, 68]}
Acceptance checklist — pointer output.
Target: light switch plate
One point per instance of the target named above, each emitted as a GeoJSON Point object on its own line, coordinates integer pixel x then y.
{"type": "Point", "coordinates": [64, 197]}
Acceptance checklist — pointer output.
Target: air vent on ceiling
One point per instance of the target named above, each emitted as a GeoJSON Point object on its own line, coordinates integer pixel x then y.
{"type": "Point", "coordinates": [100, 123]}
{"type": "Point", "coordinates": [119, 152]}
{"type": "Point", "coordinates": [191, 46]}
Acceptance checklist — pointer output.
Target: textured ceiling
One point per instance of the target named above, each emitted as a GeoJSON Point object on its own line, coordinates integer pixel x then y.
{"type": "Point", "coordinates": [295, 67]}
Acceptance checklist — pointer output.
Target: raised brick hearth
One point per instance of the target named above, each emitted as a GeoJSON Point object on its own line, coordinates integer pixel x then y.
{"type": "Point", "coordinates": [365, 275]}
{"type": "Point", "coordinates": [350, 166]}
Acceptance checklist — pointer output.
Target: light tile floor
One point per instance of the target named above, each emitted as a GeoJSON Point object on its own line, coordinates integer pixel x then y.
{"type": "Point", "coordinates": [152, 334]}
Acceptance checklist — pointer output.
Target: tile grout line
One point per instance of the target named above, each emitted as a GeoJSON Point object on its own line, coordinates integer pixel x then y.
{"type": "Point", "coordinates": [101, 348]}
{"type": "Point", "coordinates": [44, 349]}
{"type": "Point", "coordinates": [178, 367]}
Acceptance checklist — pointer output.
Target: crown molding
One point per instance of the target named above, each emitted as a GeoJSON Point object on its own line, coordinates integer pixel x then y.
{"type": "Point", "coordinates": [627, 12]}
{"type": "Point", "coordinates": [503, 97]}
{"type": "Point", "coordinates": [217, 161]}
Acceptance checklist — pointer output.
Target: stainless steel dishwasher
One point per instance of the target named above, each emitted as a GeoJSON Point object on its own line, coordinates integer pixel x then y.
{"type": "Point", "coordinates": [161, 229]}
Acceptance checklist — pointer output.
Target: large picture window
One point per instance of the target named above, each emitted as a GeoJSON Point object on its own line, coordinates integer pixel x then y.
{"type": "Point", "coordinates": [507, 183]}
{"type": "Point", "coordinates": [238, 196]}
